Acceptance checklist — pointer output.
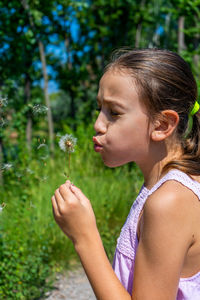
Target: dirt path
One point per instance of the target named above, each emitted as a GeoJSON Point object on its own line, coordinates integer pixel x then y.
{"type": "Point", "coordinates": [72, 286]}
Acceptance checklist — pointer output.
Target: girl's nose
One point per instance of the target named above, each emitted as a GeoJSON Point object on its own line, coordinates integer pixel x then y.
{"type": "Point", "coordinates": [100, 125]}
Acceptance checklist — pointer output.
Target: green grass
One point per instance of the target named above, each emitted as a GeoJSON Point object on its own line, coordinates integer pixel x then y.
{"type": "Point", "coordinates": [32, 247]}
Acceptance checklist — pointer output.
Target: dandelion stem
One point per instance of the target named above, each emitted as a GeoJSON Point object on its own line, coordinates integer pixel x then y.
{"type": "Point", "coordinates": [68, 159]}
{"type": "Point", "coordinates": [69, 163]}
{"type": "Point", "coordinates": [67, 144]}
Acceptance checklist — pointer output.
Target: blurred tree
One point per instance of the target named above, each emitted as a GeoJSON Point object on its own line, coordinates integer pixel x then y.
{"type": "Point", "coordinates": [34, 17]}
{"type": "Point", "coordinates": [18, 55]}
{"type": "Point", "coordinates": [186, 15]}
{"type": "Point", "coordinates": [76, 39]}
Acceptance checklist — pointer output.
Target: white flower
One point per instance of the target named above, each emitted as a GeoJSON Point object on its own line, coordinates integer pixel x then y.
{"type": "Point", "coordinates": [28, 170]}
{"type": "Point", "coordinates": [2, 122]}
{"type": "Point", "coordinates": [67, 143]}
{"type": "Point", "coordinates": [39, 109]}
{"type": "Point", "coordinates": [3, 102]}
{"type": "Point", "coordinates": [41, 145]}
{"type": "Point", "coordinates": [6, 166]}
{"type": "Point", "coordinates": [44, 178]}
{"type": "Point", "coordinates": [2, 206]}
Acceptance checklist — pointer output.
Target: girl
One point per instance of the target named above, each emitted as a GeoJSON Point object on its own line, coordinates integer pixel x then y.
{"type": "Point", "coordinates": [149, 114]}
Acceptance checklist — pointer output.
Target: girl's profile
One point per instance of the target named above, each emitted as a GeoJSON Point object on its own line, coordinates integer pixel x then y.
{"type": "Point", "coordinates": [148, 114]}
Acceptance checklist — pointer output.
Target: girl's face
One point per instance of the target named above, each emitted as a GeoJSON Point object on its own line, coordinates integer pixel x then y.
{"type": "Point", "coordinates": [122, 127]}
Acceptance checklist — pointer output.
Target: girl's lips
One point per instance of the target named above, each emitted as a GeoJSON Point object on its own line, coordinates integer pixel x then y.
{"type": "Point", "coordinates": [97, 146]}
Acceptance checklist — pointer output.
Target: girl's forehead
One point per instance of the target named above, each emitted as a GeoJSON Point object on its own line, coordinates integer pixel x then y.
{"type": "Point", "coordinates": [115, 83]}
{"type": "Point", "coordinates": [114, 77]}
{"type": "Point", "coordinates": [119, 87]}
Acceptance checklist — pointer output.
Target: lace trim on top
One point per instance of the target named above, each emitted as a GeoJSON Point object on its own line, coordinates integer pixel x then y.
{"type": "Point", "coordinates": [127, 242]}
{"type": "Point", "coordinates": [182, 178]}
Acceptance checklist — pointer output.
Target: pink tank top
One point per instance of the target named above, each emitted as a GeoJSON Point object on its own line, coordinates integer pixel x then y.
{"type": "Point", "coordinates": [127, 243]}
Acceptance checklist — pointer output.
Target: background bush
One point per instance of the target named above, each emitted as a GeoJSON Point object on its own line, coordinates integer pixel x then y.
{"type": "Point", "coordinates": [52, 55]}
{"type": "Point", "coordinates": [32, 247]}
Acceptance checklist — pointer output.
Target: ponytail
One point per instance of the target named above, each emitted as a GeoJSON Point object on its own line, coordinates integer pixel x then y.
{"type": "Point", "coordinates": [190, 161]}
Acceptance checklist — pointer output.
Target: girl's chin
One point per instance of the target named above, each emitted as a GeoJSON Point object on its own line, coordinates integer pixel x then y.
{"type": "Point", "coordinates": [113, 164]}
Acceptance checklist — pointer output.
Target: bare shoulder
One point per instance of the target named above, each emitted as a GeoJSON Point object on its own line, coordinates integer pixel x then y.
{"type": "Point", "coordinates": [172, 197]}
{"type": "Point", "coordinates": [175, 207]}
{"type": "Point", "coordinates": [169, 229]}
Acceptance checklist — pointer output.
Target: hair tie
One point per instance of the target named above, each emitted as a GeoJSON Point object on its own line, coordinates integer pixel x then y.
{"type": "Point", "coordinates": [195, 108]}
{"type": "Point", "coordinates": [193, 111]}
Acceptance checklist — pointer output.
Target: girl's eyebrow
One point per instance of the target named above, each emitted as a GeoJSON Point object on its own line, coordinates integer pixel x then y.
{"type": "Point", "coordinates": [110, 100]}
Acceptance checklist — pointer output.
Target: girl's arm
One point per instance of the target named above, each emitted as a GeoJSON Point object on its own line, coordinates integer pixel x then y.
{"type": "Point", "coordinates": [165, 237]}
{"type": "Point", "coordinates": [74, 214]}
{"type": "Point", "coordinates": [164, 240]}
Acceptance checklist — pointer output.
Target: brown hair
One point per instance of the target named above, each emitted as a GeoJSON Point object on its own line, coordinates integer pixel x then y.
{"type": "Point", "coordinates": [165, 81]}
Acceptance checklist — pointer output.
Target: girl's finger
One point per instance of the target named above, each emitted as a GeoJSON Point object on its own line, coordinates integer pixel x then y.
{"type": "Point", "coordinates": [54, 205]}
{"type": "Point", "coordinates": [64, 191]}
{"type": "Point", "coordinates": [58, 197]}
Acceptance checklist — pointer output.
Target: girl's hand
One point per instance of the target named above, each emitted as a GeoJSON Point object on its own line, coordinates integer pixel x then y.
{"type": "Point", "coordinates": [73, 213]}
{"type": "Point", "coordinates": [75, 216]}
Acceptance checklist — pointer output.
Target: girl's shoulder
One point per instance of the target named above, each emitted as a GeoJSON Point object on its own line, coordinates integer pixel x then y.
{"type": "Point", "coordinates": [170, 230]}
{"type": "Point", "coordinates": [172, 193]}
{"type": "Point", "coordinates": [175, 203]}
{"type": "Point", "coordinates": [187, 181]}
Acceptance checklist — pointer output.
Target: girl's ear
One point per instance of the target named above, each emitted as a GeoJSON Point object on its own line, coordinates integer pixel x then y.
{"type": "Point", "coordinates": [164, 126]}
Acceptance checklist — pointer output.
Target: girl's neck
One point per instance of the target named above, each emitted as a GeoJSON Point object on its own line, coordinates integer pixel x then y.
{"type": "Point", "coordinates": [153, 175]}
{"type": "Point", "coordinates": [152, 168]}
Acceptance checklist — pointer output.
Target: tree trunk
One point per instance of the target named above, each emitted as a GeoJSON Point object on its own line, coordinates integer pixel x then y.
{"type": "Point", "coordinates": [46, 94]}
{"type": "Point", "coordinates": [29, 132]}
{"type": "Point", "coordinates": [167, 29]}
{"type": "Point", "coordinates": [27, 97]}
{"type": "Point", "coordinates": [67, 44]}
{"type": "Point", "coordinates": [69, 65]}
{"type": "Point", "coordinates": [138, 35]}
{"type": "Point", "coordinates": [156, 37]}
{"type": "Point", "coordinates": [1, 162]}
{"type": "Point", "coordinates": [196, 58]}
{"type": "Point", "coordinates": [44, 71]}
{"type": "Point", "coordinates": [139, 28]}
{"type": "Point", "coordinates": [181, 37]}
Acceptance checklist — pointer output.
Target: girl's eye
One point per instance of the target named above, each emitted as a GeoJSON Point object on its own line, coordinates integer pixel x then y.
{"type": "Point", "coordinates": [114, 113]}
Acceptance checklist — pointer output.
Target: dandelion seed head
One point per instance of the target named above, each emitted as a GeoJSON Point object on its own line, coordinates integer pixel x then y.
{"type": "Point", "coordinates": [28, 170]}
{"type": "Point", "coordinates": [3, 102]}
{"type": "Point", "coordinates": [44, 157]}
{"type": "Point", "coordinates": [67, 143]}
{"type": "Point", "coordinates": [39, 109]}
{"type": "Point", "coordinates": [31, 204]}
{"type": "Point", "coordinates": [41, 145]}
{"type": "Point", "coordinates": [2, 206]}
{"type": "Point", "coordinates": [6, 166]}
{"type": "Point", "coordinates": [2, 122]}
{"type": "Point", "coordinates": [44, 178]}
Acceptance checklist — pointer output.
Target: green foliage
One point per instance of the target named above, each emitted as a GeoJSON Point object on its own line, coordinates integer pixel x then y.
{"type": "Point", "coordinates": [24, 267]}
{"type": "Point", "coordinates": [32, 247]}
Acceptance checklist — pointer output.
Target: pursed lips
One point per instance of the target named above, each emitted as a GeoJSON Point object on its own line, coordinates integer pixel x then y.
{"type": "Point", "coordinates": [97, 144]}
